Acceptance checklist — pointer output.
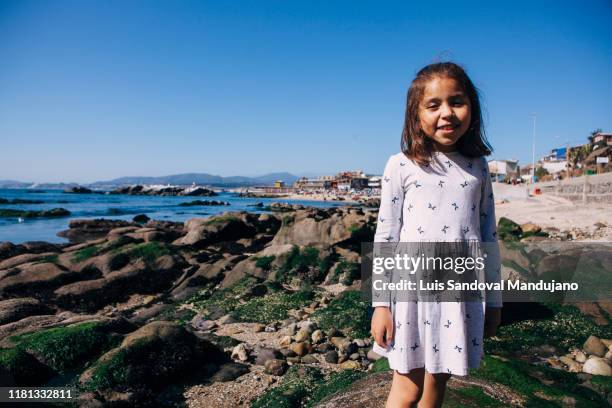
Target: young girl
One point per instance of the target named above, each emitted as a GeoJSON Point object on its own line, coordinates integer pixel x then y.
{"type": "Point", "coordinates": [437, 189]}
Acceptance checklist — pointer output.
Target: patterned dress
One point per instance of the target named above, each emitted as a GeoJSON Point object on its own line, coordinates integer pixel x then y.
{"type": "Point", "coordinates": [449, 199]}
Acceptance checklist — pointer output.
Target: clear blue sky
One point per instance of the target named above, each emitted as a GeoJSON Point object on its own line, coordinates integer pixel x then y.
{"type": "Point", "coordinates": [97, 90]}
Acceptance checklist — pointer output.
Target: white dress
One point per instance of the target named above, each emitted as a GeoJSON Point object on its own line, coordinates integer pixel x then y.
{"type": "Point", "coordinates": [450, 199]}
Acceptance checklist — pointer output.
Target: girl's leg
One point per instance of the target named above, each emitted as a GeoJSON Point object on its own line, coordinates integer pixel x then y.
{"type": "Point", "coordinates": [433, 393]}
{"type": "Point", "coordinates": [406, 389]}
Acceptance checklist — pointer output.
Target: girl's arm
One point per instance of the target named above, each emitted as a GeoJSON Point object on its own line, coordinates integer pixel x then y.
{"type": "Point", "coordinates": [488, 234]}
{"type": "Point", "coordinates": [389, 222]}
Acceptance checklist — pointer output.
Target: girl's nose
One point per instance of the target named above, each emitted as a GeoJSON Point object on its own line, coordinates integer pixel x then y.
{"type": "Point", "coordinates": [446, 111]}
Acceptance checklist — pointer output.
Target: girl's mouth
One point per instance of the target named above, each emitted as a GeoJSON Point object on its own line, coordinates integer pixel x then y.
{"type": "Point", "coordinates": [447, 128]}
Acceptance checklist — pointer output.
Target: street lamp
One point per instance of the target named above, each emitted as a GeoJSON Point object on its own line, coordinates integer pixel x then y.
{"type": "Point", "coordinates": [533, 148]}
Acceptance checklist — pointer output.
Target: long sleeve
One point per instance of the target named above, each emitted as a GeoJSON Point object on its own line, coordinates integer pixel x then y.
{"type": "Point", "coordinates": [389, 222]}
{"type": "Point", "coordinates": [488, 234]}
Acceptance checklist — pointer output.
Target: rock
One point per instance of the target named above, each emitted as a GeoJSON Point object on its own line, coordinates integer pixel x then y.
{"type": "Point", "coordinates": [35, 279]}
{"type": "Point", "coordinates": [227, 319]}
{"type": "Point", "coordinates": [607, 342]}
{"type": "Point", "coordinates": [594, 346]}
{"type": "Point", "coordinates": [139, 276]}
{"type": "Point", "coordinates": [78, 190]}
{"type": "Point", "coordinates": [331, 357]}
{"type": "Point", "coordinates": [354, 356]}
{"type": "Point", "coordinates": [276, 367]}
{"type": "Point", "coordinates": [285, 341]}
{"type": "Point", "coordinates": [333, 332]}
{"type": "Point", "coordinates": [554, 362]}
{"type": "Point", "coordinates": [290, 329]}
{"type": "Point", "coordinates": [229, 372]}
{"type": "Point", "coordinates": [324, 348]}
{"type": "Point", "coordinates": [530, 227]}
{"type": "Point", "coordinates": [350, 365]}
{"type": "Point", "coordinates": [360, 343]}
{"type": "Point", "coordinates": [263, 354]}
{"type": "Point", "coordinates": [308, 326]}
{"type": "Point", "coordinates": [156, 354]}
{"type": "Point", "coordinates": [573, 366]}
{"type": "Point", "coordinates": [258, 327]}
{"type": "Point", "coordinates": [302, 335]}
{"type": "Point", "coordinates": [344, 345]}
{"type": "Point", "coordinates": [83, 230]}
{"type": "Point", "coordinates": [287, 352]}
{"type": "Point", "coordinates": [317, 336]}
{"type": "Point", "coordinates": [230, 226]}
{"type": "Point", "coordinates": [597, 366]}
{"type": "Point", "coordinates": [301, 349]}
{"type": "Point", "coordinates": [16, 309]}
{"type": "Point", "coordinates": [309, 359]}
{"type": "Point", "coordinates": [240, 352]}
{"type": "Point", "coordinates": [9, 250]}
{"type": "Point", "coordinates": [54, 212]}
{"type": "Point", "coordinates": [141, 218]}
{"type": "Point", "coordinates": [580, 357]}
{"type": "Point", "coordinates": [199, 323]}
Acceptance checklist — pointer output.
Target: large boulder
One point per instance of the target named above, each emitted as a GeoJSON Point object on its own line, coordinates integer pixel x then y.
{"type": "Point", "coordinates": [16, 309]}
{"type": "Point", "coordinates": [204, 274]}
{"type": "Point", "coordinates": [8, 250]}
{"type": "Point", "coordinates": [229, 226]}
{"type": "Point", "coordinates": [150, 358]}
{"type": "Point", "coordinates": [136, 277]}
{"type": "Point", "coordinates": [324, 227]}
{"type": "Point", "coordinates": [82, 230]}
{"type": "Point", "coordinates": [35, 279]}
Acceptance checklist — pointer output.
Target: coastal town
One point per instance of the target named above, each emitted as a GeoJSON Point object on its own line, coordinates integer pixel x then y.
{"type": "Point", "coordinates": [562, 163]}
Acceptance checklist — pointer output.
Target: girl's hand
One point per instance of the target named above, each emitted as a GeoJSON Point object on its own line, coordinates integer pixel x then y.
{"type": "Point", "coordinates": [492, 321]}
{"type": "Point", "coordinates": [382, 326]}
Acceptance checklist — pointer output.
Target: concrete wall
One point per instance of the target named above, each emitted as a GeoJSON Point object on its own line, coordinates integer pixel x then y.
{"type": "Point", "coordinates": [586, 189]}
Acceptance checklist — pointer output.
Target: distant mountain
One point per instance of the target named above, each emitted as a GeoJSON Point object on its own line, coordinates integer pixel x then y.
{"type": "Point", "coordinates": [13, 184]}
{"type": "Point", "coordinates": [185, 179]}
{"type": "Point", "coordinates": [200, 179]}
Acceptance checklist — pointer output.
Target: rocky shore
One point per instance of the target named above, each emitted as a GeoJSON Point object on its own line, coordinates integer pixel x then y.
{"type": "Point", "coordinates": [262, 310]}
{"type": "Point", "coordinates": [164, 191]}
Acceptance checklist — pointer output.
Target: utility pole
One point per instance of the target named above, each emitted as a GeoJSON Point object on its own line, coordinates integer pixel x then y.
{"type": "Point", "coordinates": [533, 149]}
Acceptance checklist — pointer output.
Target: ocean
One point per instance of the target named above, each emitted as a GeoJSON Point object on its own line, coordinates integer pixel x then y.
{"type": "Point", "coordinates": [118, 207]}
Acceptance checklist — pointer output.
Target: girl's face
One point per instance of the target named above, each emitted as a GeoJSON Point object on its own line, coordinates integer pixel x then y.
{"type": "Point", "coordinates": [444, 112]}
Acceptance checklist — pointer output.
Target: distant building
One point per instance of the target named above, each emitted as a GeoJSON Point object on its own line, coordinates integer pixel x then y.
{"type": "Point", "coordinates": [279, 184]}
{"type": "Point", "coordinates": [374, 182]}
{"type": "Point", "coordinates": [503, 170]}
{"type": "Point", "coordinates": [601, 139]}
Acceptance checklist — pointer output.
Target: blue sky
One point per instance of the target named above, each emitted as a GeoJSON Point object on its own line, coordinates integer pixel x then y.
{"type": "Point", "coordinates": [97, 90]}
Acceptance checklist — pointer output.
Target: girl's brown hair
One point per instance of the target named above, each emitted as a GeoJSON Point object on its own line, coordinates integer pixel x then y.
{"type": "Point", "coordinates": [418, 146]}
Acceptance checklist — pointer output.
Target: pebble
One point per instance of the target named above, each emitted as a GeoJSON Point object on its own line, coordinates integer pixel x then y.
{"type": "Point", "coordinates": [309, 359]}
{"type": "Point", "coordinates": [240, 352]}
{"type": "Point", "coordinates": [597, 366]}
{"type": "Point", "coordinates": [594, 346]}
{"type": "Point", "coordinates": [317, 336]}
{"type": "Point", "coordinates": [276, 367]}
{"type": "Point", "coordinates": [331, 357]}
{"type": "Point", "coordinates": [301, 349]}
{"type": "Point", "coordinates": [302, 335]}
{"type": "Point", "coordinates": [350, 365]}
